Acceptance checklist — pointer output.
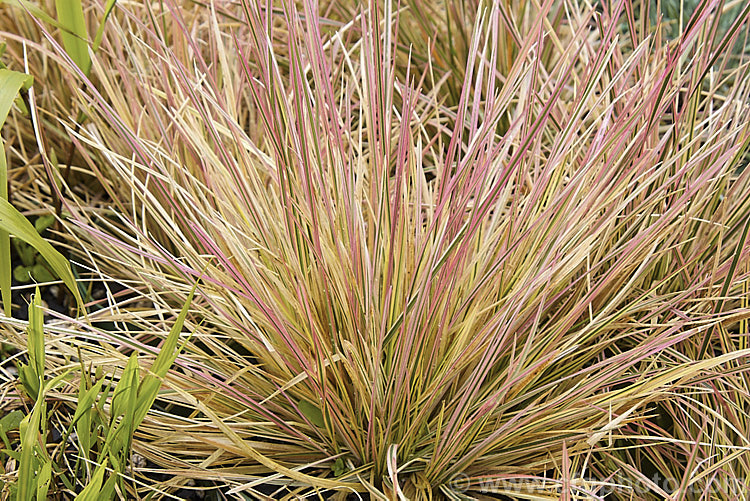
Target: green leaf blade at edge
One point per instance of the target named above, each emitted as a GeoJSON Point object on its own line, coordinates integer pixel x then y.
{"type": "Point", "coordinates": [6, 271]}
{"type": "Point", "coordinates": [11, 83]}
{"type": "Point", "coordinates": [74, 34]}
{"type": "Point", "coordinates": [13, 222]}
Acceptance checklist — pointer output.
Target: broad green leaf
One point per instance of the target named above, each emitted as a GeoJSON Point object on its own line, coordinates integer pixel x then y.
{"type": "Point", "coordinates": [43, 481]}
{"type": "Point", "coordinates": [84, 433]}
{"type": "Point", "coordinates": [338, 467]}
{"type": "Point", "coordinates": [74, 34]}
{"type": "Point", "coordinates": [29, 380]}
{"type": "Point", "coordinates": [42, 223]}
{"type": "Point", "coordinates": [312, 413]}
{"type": "Point", "coordinates": [93, 490]}
{"type": "Point", "coordinates": [8, 423]}
{"type": "Point", "coordinates": [41, 273]}
{"type": "Point", "coordinates": [22, 274]}
{"type": "Point", "coordinates": [10, 83]}
{"type": "Point", "coordinates": [11, 420]}
{"type": "Point", "coordinates": [15, 223]}
{"type": "Point", "coordinates": [26, 252]}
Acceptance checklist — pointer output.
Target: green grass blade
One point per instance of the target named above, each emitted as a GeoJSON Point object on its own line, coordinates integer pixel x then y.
{"type": "Point", "coordinates": [121, 395]}
{"type": "Point", "coordinates": [30, 434]}
{"type": "Point", "coordinates": [74, 35]}
{"type": "Point", "coordinates": [92, 490]}
{"type": "Point", "coordinates": [82, 417]}
{"type": "Point", "coordinates": [15, 223]}
{"type": "Point", "coordinates": [10, 83]}
{"type": "Point", "coordinates": [34, 473]}
{"type": "Point", "coordinates": [43, 480]}
{"type": "Point", "coordinates": [123, 406]}
{"type": "Point", "coordinates": [35, 334]}
{"type": "Point", "coordinates": [108, 490]}
{"type": "Point", "coordinates": [32, 375]}
{"type": "Point", "coordinates": [100, 31]}
{"type": "Point", "coordinates": [150, 385]}
{"type": "Point", "coordinates": [6, 272]}
{"type": "Point", "coordinates": [8, 423]}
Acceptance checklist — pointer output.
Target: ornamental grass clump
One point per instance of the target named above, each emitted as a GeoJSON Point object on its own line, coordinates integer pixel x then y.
{"type": "Point", "coordinates": [525, 278]}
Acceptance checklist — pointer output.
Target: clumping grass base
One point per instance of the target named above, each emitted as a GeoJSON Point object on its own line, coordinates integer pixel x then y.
{"type": "Point", "coordinates": [502, 251]}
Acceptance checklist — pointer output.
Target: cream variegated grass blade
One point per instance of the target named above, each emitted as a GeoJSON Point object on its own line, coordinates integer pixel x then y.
{"type": "Point", "coordinates": [531, 265]}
